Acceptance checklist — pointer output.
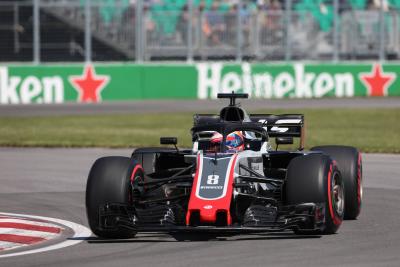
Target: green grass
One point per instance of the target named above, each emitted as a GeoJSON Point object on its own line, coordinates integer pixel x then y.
{"type": "Point", "coordinates": [371, 130]}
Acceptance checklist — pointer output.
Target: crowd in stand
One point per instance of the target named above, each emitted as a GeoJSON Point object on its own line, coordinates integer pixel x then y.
{"type": "Point", "coordinates": [166, 21]}
{"type": "Point", "coordinates": [217, 20]}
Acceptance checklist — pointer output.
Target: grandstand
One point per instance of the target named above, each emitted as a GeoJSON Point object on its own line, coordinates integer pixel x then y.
{"type": "Point", "coordinates": [202, 29]}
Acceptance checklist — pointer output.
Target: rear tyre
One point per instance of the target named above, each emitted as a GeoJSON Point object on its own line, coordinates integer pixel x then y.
{"type": "Point", "coordinates": [109, 182]}
{"type": "Point", "coordinates": [350, 166]}
{"type": "Point", "coordinates": [315, 178]}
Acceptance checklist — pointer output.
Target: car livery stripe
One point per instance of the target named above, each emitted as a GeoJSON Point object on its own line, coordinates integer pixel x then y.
{"type": "Point", "coordinates": [230, 186]}
{"type": "Point", "coordinates": [210, 207]}
{"type": "Point", "coordinates": [226, 180]}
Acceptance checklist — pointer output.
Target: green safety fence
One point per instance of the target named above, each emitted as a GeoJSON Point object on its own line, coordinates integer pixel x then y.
{"type": "Point", "coordinates": [23, 84]}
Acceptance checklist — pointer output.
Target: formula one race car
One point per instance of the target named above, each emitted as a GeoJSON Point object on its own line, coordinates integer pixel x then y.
{"type": "Point", "coordinates": [231, 181]}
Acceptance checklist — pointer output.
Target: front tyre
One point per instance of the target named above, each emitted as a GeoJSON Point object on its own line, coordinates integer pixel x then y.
{"type": "Point", "coordinates": [109, 182]}
{"type": "Point", "coordinates": [315, 178]}
{"type": "Point", "coordinates": [350, 166]}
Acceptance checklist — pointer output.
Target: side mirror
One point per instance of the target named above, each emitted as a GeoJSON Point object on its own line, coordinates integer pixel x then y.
{"type": "Point", "coordinates": [168, 141]}
{"type": "Point", "coordinates": [287, 140]}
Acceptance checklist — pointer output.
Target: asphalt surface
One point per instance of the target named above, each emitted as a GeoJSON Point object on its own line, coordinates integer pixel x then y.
{"type": "Point", "coordinates": [155, 106]}
{"type": "Point", "coordinates": [51, 182]}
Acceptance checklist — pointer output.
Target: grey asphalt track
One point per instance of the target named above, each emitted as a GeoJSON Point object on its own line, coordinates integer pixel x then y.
{"type": "Point", "coordinates": [156, 106]}
{"type": "Point", "coordinates": [51, 182]}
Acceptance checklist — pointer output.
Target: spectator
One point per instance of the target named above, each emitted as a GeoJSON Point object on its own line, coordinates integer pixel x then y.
{"type": "Point", "coordinates": [271, 32]}
{"type": "Point", "coordinates": [150, 26]}
{"type": "Point", "coordinates": [245, 23]}
{"type": "Point", "coordinates": [274, 14]}
{"type": "Point", "coordinates": [231, 24]}
{"type": "Point", "coordinates": [213, 26]}
{"type": "Point", "coordinates": [183, 23]}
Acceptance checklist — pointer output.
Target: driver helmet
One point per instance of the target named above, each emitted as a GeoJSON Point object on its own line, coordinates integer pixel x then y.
{"type": "Point", "coordinates": [234, 141]}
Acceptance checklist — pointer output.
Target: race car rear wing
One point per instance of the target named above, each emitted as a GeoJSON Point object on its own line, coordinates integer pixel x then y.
{"type": "Point", "coordinates": [280, 125]}
{"type": "Point", "coordinates": [283, 125]}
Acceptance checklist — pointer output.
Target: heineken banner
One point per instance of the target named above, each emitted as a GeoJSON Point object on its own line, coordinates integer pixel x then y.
{"type": "Point", "coordinates": [21, 84]}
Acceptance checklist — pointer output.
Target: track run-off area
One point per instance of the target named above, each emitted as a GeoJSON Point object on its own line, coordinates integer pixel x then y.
{"type": "Point", "coordinates": [51, 183]}
{"type": "Point", "coordinates": [157, 106]}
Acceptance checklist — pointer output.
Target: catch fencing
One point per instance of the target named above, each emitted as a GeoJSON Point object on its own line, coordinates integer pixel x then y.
{"type": "Point", "coordinates": [193, 30]}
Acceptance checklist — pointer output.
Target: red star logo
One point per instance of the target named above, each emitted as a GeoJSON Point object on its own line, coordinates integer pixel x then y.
{"type": "Point", "coordinates": [377, 82]}
{"type": "Point", "coordinates": [89, 85]}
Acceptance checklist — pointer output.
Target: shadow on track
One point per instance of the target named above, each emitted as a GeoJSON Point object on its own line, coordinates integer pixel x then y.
{"type": "Point", "coordinates": [160, 238]}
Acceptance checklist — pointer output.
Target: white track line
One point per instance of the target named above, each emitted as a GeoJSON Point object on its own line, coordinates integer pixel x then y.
{"type": "Point", "coordinates": [80, 232]}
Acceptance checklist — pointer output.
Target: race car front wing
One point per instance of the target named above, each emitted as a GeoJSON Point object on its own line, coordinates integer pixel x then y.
{"type": "Point", "coordinates": [162, 218]}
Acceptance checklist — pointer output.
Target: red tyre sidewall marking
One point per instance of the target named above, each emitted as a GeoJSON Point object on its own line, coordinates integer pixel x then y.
{"type": "Point", "coordinates": [337, 221]}
{"type": "Point", "coordinates": [137, 167]}
{"type": "Point", "coordinates": [132, 179]}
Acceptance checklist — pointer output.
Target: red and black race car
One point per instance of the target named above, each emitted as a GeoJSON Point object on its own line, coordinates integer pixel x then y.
{"type": "Point", "coordinates": [231, 181]}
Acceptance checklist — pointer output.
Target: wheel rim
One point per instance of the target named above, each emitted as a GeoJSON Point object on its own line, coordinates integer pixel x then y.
{"type": "Point", "coordinates": [134, 185]}
{"type": "Point", "coordinates": [338, 195]}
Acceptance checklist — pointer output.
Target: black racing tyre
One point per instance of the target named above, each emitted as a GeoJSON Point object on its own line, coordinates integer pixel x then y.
{"type": "Point", "coordinates": [109, 182]}
{"type": "Point", "coordinates": [349, 163]}
{"type": "Point", "coordinates": [315, 178]}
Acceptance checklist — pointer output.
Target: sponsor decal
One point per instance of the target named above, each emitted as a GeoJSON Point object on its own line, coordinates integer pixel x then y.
{"type": "Point", "coordinates": [212, 179]}
{"type": "Point", "coordinates": [26, 84]}
{"type": "Point", "coordinates": [89, 85]}
{"type": "Point", "coordinates": [283, 129]}
{"type": "Point", "coordinates": [15, 89]}
{"type": "Point", "coordinates": [297, 84]}
{"type": "Point", "coordinates": [38, 89]}
{"type": "Point", "coordinates": [377, 82]}
{"type": "Point", "coordinates": [211, 187]}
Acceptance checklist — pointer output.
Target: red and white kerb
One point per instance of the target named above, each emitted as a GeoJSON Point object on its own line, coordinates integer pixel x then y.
{"type": "Point", "coordinates": [17, 232]}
